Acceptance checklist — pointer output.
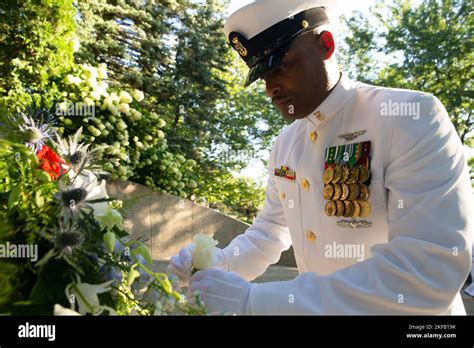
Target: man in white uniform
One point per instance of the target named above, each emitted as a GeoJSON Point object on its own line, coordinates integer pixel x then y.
{"type": "Point", "coordinates": [369, 185]}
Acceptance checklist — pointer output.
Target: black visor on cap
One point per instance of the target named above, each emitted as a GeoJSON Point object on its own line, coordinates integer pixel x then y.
{"type": "Point", "coordinates": [268, 63]}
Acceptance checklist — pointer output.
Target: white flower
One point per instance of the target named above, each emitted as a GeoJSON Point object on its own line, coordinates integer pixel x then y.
{"type": "Point", "coordinates": [88, 101]}
{"type": "Point", "coordinates": [114, 110]}
{"type": "Point", "coordinates": [86, 296]}
{"type": "Point", "coordinates": [125, 97]}
{"type": "Point", "coordinates": [73, 80]}
{"type": "Point", "coordinates": [124, 108]}
{"type": "Point", "coordinates": [90, 71]}
{"type": "Point", "coordinates": [76, 45]}
{"type": "Point", "coordinates": [94, 189]}
{"type": "Point", "coordinates": [102, 70]}
{"type": "Point", "coordinates": [95, 95]}
{"type": "Point", "coordinates": [107, 217]}
{"type": "Point", "coordinates": [138, 95]}
{"type": "Point", "coordinates": [136, 115]}
{"type": "Point", "coordinates": [115, 98]}
{"type": "Point", "coordinates": [92, 82]}
{"type": "Point", "coordinates": [60, 310]}
{"type": "Point", "coordinates": [204, 251]}
{"type": "Point", "coordinates": [107, 103]}
{"type": "Point", "coordinates": [102, 88]}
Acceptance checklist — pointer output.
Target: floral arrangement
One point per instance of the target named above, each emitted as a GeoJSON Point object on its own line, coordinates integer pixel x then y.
{"type": "Point", "coordinates": [63, 247]}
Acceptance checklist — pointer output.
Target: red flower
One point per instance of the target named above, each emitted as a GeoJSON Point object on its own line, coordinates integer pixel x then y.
{"type": "Point", "coordinates": [50, 162]}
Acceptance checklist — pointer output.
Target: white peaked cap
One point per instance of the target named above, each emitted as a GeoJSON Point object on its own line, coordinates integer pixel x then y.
{"type": "Point", "coordinates": [260, 15]}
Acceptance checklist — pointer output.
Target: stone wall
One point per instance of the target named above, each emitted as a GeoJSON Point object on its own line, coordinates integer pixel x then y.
{"type": "Point", "coordinates": [168, 223]}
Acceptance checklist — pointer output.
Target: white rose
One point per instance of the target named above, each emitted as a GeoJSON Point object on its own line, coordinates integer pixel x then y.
{"type": "Point", "coordinates": [204, 251]}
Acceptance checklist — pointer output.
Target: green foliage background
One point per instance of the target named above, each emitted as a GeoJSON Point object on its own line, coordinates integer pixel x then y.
{"type": "Point", "coordinates": [197, 125]}
{"type": "Point", "coordinates": [194, 113]}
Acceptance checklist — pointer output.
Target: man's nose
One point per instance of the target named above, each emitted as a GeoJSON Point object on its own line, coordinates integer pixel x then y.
{"type": "Point", "coordinates": [271, 85]}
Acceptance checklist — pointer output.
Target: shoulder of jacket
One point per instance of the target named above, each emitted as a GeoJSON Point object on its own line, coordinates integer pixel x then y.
{"type": "Point", "coordinates": [396, 94]}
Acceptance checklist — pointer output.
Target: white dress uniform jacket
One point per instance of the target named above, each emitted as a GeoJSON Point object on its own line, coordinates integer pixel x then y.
{"type": "Point", "coordinates": [417, 252]}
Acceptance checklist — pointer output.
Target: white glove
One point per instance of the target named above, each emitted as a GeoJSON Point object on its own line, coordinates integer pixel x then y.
{"type": "Point", "coordinates": [222, 292]}
{"type": "Point", "coordinates": [181, 264]}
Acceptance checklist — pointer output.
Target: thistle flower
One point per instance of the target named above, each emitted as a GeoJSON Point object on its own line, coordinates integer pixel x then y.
{"type": "Point", "coordinates": [35, 125]}
{"type": "Point", "coordinates": [77, 155]}
{"type": "Point", "coordinates": [68, 238]}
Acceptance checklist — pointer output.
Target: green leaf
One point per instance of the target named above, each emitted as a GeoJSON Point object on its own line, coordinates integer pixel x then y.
{"type": "Point", "coordinates": [14, 197]}
{"type": "Point", "coordinates": [39, 199]}
{"type": "Point", "coordinates": [42, 175]}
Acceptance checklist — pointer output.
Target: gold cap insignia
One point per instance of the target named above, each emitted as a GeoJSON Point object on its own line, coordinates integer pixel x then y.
{"type": "Point", "coordinates": [239, 47]}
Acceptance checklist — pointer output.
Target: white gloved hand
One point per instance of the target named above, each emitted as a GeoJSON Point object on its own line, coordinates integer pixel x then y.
{"type": "Point", "coordinates": [181, 264]}
{"type": "Point", "coordinates": [222, 292]}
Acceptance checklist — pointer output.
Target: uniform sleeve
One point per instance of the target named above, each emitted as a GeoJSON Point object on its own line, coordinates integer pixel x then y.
{"type": "Point", "coordinates": [261, 245]}
{"type": "Point", "coordinates": [430, 218]}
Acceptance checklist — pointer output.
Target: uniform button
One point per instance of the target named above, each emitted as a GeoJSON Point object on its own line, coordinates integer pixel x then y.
{"type": "Point", "coordinates": [282, 195]}
{"type": "Point", "coordinates": [305, 184]}
{"type": "Point", "coordinates": [319, 116]}
{"type": "Point", "coordinates": [313, 136]}
{"type": "Point", "coordinates": [310, 236]}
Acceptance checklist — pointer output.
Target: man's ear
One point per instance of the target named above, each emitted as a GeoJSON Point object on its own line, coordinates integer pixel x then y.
{"type": "Point", "coordinates": [328, 45]}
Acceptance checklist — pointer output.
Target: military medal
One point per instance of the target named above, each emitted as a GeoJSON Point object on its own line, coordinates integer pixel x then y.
{"type": "Point", "coordinates": [365, 209]}
{"type": "Point", "coordinates": [337, 174]}
{"type": "Point", "coordinates": [364, 192]}
{"type": "Point", "coordinates": [345, 191]}
{"type": "Point", "coordinates": [363, 174]}
{"type": "Point", "coordinates": [330, 208]}
{"type": "Point", "coordinates": [328, 192]}
{"type": "Point", "coordinates": [340, 208]}
{"type": "Point", "coordinates": [328, 174]}
{"type": "Point", "coordinates": [346, 182]}
{"type": "Point", "coordinates": [337, 192]}
{"type": "Point", "coordinates": [353, 175]}
{"type": "Point", "coordinates": [356, 209]}
{"type": "Point", "coordinates": [353, 192]}
{"type": "Point", "coordinates": [345, 173]}
{"type": "Point", "coordinates": [348, 209]}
